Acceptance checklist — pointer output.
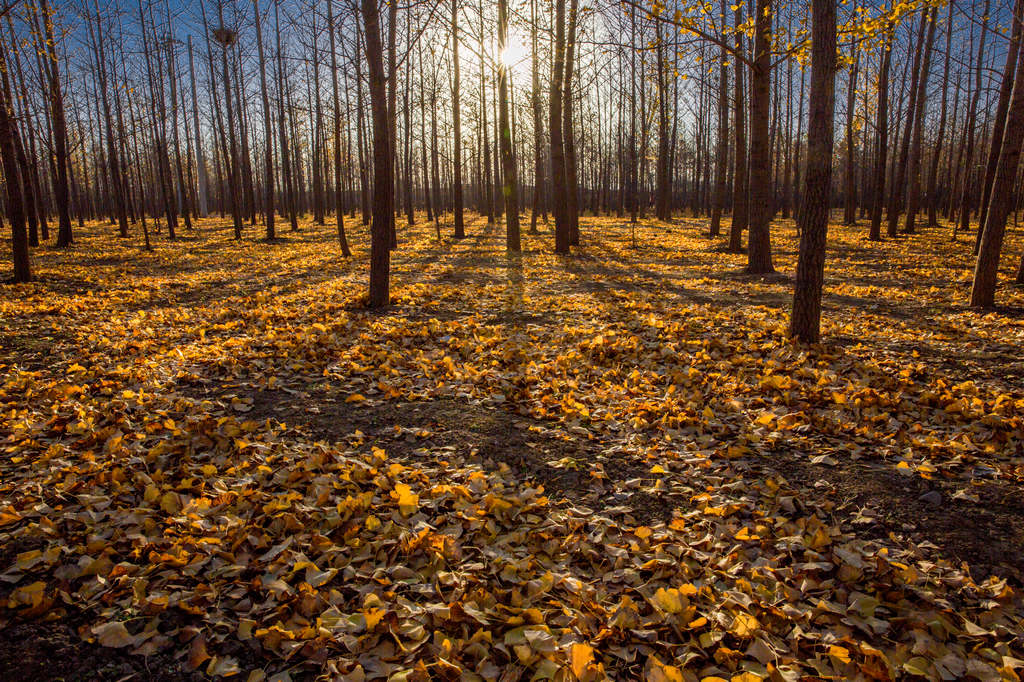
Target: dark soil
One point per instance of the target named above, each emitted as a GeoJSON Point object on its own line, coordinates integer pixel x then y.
{"type": "Point", "coordinates": [875, 501]}
{"type": "Point", "coordinates": [41, 652]}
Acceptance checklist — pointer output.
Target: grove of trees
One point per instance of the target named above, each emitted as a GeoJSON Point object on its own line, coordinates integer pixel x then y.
{"type": "Point", "coordinates": [150, 115]}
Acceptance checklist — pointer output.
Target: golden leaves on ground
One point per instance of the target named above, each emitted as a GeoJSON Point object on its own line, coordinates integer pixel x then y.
{"type": "Point", "coordinates": [148, 481]}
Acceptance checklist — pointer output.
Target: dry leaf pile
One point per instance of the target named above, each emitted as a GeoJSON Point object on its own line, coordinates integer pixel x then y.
{"type": "Point", "coordinates": [207, 454]}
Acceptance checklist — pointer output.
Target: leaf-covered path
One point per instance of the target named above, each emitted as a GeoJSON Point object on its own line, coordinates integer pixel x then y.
{"type": "Point", "coordinates": [216, 462]}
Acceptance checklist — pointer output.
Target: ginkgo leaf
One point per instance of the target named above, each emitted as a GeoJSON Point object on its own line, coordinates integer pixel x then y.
{"type": "Point", "coordinates": [408, 501]}
{"type": "Point", "coordinates": [580, 656]}
{"type": "Point", "coordinates": [744, 625]}
{"type": "Point", "coordinates": [113, 634]}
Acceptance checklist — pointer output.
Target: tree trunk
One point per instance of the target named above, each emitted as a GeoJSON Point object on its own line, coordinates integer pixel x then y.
{"type": "Point", "coordinates": [268, 133]}
{"type": "Point", "coordinates": [509, 184]}
{"type": "Point", "coordinates": [914, 164]}
{"type": "Point", "coordinates": [460, 230]}
{"type": "Point", "coordinates": [200, 161]}
{"type": "Point", "coordinates": [1000, 121]}
{"type": "Point", "coordinates": [60, 132]}
{"type": "Point", "coordinates": [940, 138]}
{"type": "Point", "coordinates": [538, 122]}
{"type": "Point", "coordinates": [899, 177]}
{"type": "Point", "coordinates": [986, 269]}
{"type": "Point", "coordinates": [558, 182]}
{"type": "Point", "coordinates": [850, 198]}
{"type": "Point", "coordinates": [805, 323]}
{"type": "Point", "coordinates": [759, 247]}
{"type": "Point", "coordinates": [739, 180]}
{"type": "Point", "coordinates": [339, 208]}
{"type": "Point", "coordinates": [721, 155]}
{"type": "Point", "coordinates": [383, 180]}
{"type": "Point", "coordinates": [568, 136]}
{"type": "Point", "coordinates": [882, 142]}
{"type": "Point", "coordinates": [966, 199]}
{"type": "Point", "coordinates": [13, 179]}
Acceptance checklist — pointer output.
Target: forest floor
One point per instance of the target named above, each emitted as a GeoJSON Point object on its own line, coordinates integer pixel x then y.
{"type": "Point", "coordinates": [215, 461]}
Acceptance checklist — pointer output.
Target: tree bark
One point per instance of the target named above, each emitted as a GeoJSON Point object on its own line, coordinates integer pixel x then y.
{"type": "Point", "coordinates": [509, 183]}
{"type": "Point", "coordinates": [268, 133]}
{"type": "Point", "coordinates": [882, 139]}
{"type": "Point", "coordinates": [460, 230]}
{"type": "Point", "coordinates": [759, 247]}
{"type": "Point", "coordinates": [383, 180]}
{"type": "Point", "coordinates": [13, 180]}
{"type": "Point", "coordinates": [60, 132]}
{"type": "Point", "coordinates": [987, 266]}
{"type": "Point", "coordinates": [538, 122]}
{"type": "Point", "coordinates": [721, 160]}
{"type": "Point", "coordinates": [558, 182]}
{"type": "Point", "coordinates": [568, 136]}
{"type": "Point", "coordinates": [805, 323]}
{"type": "Point", "coordinates": [914, 163]}
{"type": "Point", "coordinates": [339, 199]}
{"type": "Point", "coordinates": [739, 180]}
{"type": "Point", "coordinates": [1005, 91]}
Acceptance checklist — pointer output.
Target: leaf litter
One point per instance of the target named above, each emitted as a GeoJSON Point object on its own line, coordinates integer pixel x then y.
{"type": "Point", "coordinates": [218, 463]}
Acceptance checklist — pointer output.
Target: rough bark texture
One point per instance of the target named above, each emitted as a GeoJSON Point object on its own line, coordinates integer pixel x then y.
{"type": "Point", "coordinates": [560, 209]}
{"type": "Point", "coordinates": [759, 247]}
{"type": "Point", "coordinates": [805, 323]}
{"type": "Point", "coordinates": [739, 179]}
{"type": "Point", "coordinates": [13, 180]}
{"type": "Point", "coordinates": [509, 183]}
{"type": "Point", "coordinates": [60, 133]}
{"type": "Point", "coordinates": [460, 229]}
{"type": "Point", "coordinates": [986, 268]}
{"type": "Point", "coordinates": [339, 205]}
{"type": "Point", "coordinates": [721, 160]}
{"type": "Point", "coordinates": [268, 135]}
{"type": "Point", "coordinates": [381, 228]}
{"type": "Point", "coordinates": [882, 141]}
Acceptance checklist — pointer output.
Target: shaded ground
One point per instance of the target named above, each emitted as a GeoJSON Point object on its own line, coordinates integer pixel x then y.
{"type": "Point", "coordinates": [55, 651]}
{"type": "Point", "coordinates": [977, 522]}
{"type": "Point", "coordinates": [536, 451]}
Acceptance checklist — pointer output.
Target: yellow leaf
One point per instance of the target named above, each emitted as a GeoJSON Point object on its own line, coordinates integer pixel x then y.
{"type": "Point", "coordinates": [373, 617]}
{"type": "Point", "coordinates": [642, 532]}
{"type": "Point", "coordinates": [659, 672]}
{"type": "Point", "coordinates": [744, 625]}
{"type": "Point", "coordinates": [658, 469]}
{"type": "Point", "coordinates": [408, 501]}
{"type": "Point", "coordinates": [839, 652]}
{"type": "Point", "coordinates": [745, 534]}
{"type": "Point", "coordinates": [670, 600]}
{"type": "Point", "coordinates": [355, 398]}
{"type": "Point", "coordinates": [580, 656]}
